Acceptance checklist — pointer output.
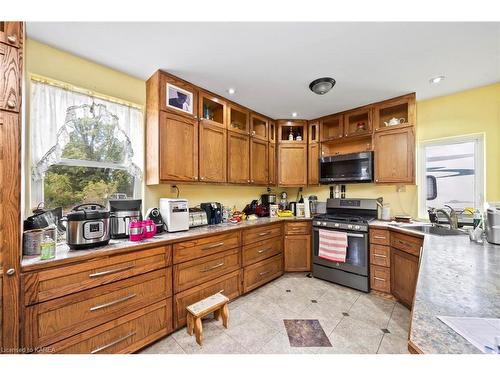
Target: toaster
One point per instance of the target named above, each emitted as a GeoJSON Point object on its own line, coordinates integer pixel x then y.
{"type": "Point", "coordinates": [175, 214]}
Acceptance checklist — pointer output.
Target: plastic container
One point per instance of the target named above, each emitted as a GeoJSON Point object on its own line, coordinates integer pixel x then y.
{"type": "Point", "coordinates": [149, 228]}
{"type": "Point", "coordinates": [48, 248]}
{"type": "Point", "coordinates": [136, 230]}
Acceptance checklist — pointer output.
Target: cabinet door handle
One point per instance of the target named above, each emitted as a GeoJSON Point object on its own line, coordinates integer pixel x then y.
{"type": "Point", "coordinates": [380, 255]}
{"type": "Point", "coordinates": [11, 272]}
{"type": "Point", "coordinates": [264, 273]}
{"type": "Point", "coordinates": [213, 246]}
{"type": "Point", "coordinates": [12, 38]}
{"type": "Point", "coordinates": [103, 273]}
{"type": "Point", "coordinates": [213, 267]}
{"type": "Point", "coordinates": [113, 343]}
{"type": "Point", "coordinates": [264, 250]}
{"type": "Point", "coordinates": [264, 234]}
{"type": "Point", "coordinates": [104, 305]}
{"type": "Point", "coordinates": [378, 278]}
{"type": "Point", "coordinates": [11, 104]}
{"type": "Point", "coordinates": [379, 237]}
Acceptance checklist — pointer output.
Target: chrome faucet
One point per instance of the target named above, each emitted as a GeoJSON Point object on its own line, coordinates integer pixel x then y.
{"type": "Point", "coordinates": [452, 217]}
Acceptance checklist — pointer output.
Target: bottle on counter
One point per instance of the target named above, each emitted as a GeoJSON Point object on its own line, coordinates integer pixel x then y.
{"type": "Point", "coordinates": [477, 219]}
{"type": "Point", "coordinates": [48, 248]}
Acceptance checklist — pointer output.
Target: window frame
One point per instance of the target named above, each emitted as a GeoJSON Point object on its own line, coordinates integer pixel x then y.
{"type": "Point", "coordinates": [479, 168]}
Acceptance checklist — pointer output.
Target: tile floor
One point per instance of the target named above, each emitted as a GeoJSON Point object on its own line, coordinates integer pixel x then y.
{"type": "Point", "coordinates": [354, 322]}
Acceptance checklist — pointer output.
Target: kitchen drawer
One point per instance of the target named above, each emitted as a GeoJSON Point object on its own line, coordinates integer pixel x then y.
{"type": "Point", "coordinates": [380, 278]}
{"type": "Point", "coordinates": [123, 335]}
{"type": "Point", "coordinates": [380, 236]}
{"type": "Point", "coordinates": [406, 243]}
{"type": "Point", "coordinates": [261, 250]}
{"type": "Point", "coordinates": [229, 285]}
{"type": "Point", "coordinates": [196, 272]}
{"type": "Point", "coordinates": [260, 273]}
{"type": "Point", "coordinates": [261, 233]}
{"type": "Point", "coordinates": [194, 249]}
{"type": "Point", "coordinates": [58, 319]}
{"type": "Point", "coordinates": [53, 283]}
{"type": "Point", "coordinates": [380, 255]}
{"type": "Point", "coordinates": [298, 227]}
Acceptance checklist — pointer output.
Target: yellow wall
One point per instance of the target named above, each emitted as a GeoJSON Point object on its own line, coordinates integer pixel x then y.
{"type": "Point", "coordinates": [466, 112]}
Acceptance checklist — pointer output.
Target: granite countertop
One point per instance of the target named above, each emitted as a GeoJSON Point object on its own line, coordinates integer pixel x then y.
{"type": "Point", "coordinates": [456, 277]}
{"type": "Point", "coordinates": [64, 255]}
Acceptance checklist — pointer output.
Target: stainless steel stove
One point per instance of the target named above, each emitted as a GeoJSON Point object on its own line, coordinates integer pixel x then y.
{"type": "Point", "coordinates": [351, 216]}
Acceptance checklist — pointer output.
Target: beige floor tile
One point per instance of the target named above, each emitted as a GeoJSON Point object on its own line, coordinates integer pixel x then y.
{"type": "Point", "coordinates": [167, 345]}
{"type": "Point", "coordinates": [372, 309]}
{"type": "Point", "coordinates": [355, 336]}
{"type": "Point", "coordinates": [392, 344]}
{"type": "Point", "coordinates": [252, 335]}
{"type": "Point", "coordinates": [280, 344]}
{"type": "Point", "coordinates": [399, 324]}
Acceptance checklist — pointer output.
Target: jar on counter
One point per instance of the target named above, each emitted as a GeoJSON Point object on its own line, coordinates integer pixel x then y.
{"type": "Point", "coordinates": [48, 248]}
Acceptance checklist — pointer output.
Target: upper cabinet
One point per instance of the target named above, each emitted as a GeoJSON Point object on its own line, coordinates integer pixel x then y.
{"type": "Point", "coordinates": [259, 127]}
{"type": "Point", "coordinates": [292, 153]}
{"type": "Point", "coordinates": [313, 153]}
{"type": "Point", "coordinates": [332, 127]}
{"type": "Point", "coordinates": [238, 158]}
{"type": "Point", "coordinates": [259, 167]}
{"type": "Point", "coordinates": [238, 119]}
{"type": "Point", "coordinates": [395, 113]}
{"type": "Point", "coordinates": [10, 33]}
{"type": "Point", "coordinates": [272, 131]}
{"type": "Point", "coordinates": [212, 109]}
{"type": "Point", "coordinates": [213, 155]}
{"type": "Point", "coordinates": [292, 131]}
{"type": "Point", "coordinates": [10, 71]}
{"type": "Point", "coordinates": [175, 95]}
{"type": "Point", "coordinates": [358, 122]}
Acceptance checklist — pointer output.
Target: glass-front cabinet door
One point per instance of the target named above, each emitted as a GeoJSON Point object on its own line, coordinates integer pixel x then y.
{"type": "Point", "coordinates": [259, 127]}
{"type": "Point", "coordinates": [212, 109]}
{"type": "Point", "coordinates": [358, 122]}
{"type": "Point", "coordinates": [238, 119]}
{"type": "Point", "coordinates": [332, 127]}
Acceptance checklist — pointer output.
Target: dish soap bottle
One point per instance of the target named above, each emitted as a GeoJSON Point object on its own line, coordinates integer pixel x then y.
{"type": "Point", "coordinates": [48, 250]}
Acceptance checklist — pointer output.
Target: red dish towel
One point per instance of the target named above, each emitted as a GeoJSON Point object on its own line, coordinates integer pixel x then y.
{"type": "Point", "coordinates": [332, 245]}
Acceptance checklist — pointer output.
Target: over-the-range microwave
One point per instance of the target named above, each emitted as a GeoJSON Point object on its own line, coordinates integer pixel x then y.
{"type": "Point", "coordinates": [355, 167]}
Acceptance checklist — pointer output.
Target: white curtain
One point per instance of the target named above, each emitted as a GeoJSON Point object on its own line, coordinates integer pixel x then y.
{"type": "Point", "coordinates": [48, 107]}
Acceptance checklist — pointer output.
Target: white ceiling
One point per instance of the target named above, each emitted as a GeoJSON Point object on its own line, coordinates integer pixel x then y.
{"type": "Point", "coordinates": [271, 64]}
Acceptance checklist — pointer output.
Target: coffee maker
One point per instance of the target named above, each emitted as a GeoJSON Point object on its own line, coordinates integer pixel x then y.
{"type": "Point", "coordinates": [214, 212]}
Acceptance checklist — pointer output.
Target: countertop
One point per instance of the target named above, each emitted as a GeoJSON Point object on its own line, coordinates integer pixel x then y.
{"type": "Point", "coordinates": [456, 277]}
{"type": "Point", "coordinates": [64, 255]}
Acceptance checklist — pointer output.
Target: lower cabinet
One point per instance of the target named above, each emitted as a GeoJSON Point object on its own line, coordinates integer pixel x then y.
{"type": "Point", "coordinates": [123, 335]}
{"type": "Point", "coordinates": [262, 272]}
{"type": "Point", "coordinates": [404, 272]}
{"type": "Point", "coordinates": [298, 253]}
{"type": "Point", "coordinates": [229, 285]}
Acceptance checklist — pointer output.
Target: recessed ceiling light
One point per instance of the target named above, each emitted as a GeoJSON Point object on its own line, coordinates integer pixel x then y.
{"type": "Point", "coordinates": [321, 86]}
{"type": "Point", "coordinates": [231, 91]}
{"type": "Point", "coordinates": [294, 114]}
{"type": "Point", "coordinates": [437, 79]}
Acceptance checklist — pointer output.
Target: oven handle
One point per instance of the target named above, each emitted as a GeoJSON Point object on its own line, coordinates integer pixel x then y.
{"type": "Point", "coordinates": [357, 235]}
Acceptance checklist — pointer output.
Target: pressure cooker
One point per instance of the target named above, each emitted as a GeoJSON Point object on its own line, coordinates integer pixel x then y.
{"type": "Point", "coordinates": [87, 226]}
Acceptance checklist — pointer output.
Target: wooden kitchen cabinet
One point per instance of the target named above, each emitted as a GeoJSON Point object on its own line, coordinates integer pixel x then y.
{"type": "Point", "coordinates": [11, 33]}
{"type": "Point", "coordinates": [358, 122]}
{"type": "Point", "coordinates": [179, 150]}
{"type": "Point", "coordinates": [1, 309]}
{"type": "Point", "coordinates": [404, 272]}
{"type": "Point", "coordinates": [172, 94]}
{"type": "Point", "coordinates": [395, 156]}
{"type": "Point", "coordinates": [238, 158]}
{"type": "Point", "coordinates": [10, 82]}
{"type": "Point", "coordinates": [238, 119]}
{"type": "Point", "coordinates": [313, 164]}
{"type": "Point", "coordinates": [259, 168]}
{"type": "Point", "coordinates": [332, 127]}
{"type": "Point", "coordinates": [292, 164]}
{"type": "Point", "coordinates": [213, 153]}
{"type": "Point", "coordinates": [271, 154]}
{"type": "Point", "coordinates": [212, 109]}
{"type": "Point", "coordinates": [402, 109]}
{"type": "Point", "coordinates": [259, 127]}
{"type": "Point", "coordinates": [298, 253]}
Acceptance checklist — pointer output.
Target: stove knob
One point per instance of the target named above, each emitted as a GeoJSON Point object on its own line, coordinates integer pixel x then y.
{"type": "Point", "coordinates": [337, 225]}
{"type": "Point", "coordinates": [349, 226]}
{"type": "Point", "coordinates": [356, 227]}
{"type": "Point", "coordinates": [317, 223]}
{"type": "Point", "coordinates": [324, 223]}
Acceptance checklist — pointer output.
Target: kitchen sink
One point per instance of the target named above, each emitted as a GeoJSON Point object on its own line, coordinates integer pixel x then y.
{"type": "Point", "coordinates": [438, 231]}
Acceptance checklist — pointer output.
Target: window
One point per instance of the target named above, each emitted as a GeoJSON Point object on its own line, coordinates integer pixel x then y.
{"type": "Point", "coordinates": [451, 173]}
{"type": "Point", "coordinates": [83, 148]}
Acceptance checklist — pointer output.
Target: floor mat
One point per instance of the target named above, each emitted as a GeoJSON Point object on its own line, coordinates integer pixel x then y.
{"type": "Point", "coordinates": [306, 333]}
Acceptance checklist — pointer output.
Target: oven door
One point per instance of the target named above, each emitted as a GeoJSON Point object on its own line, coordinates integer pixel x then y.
{"type": "Point", "coordinates": [356, 167]}
{"type": "Point", "coordinates": [357, 253]}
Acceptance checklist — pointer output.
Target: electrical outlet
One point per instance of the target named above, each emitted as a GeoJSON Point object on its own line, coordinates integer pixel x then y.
{"type": "Point", "coordinates": [400, 188]}
{"type": "Point", "coordinates": [173, 188]}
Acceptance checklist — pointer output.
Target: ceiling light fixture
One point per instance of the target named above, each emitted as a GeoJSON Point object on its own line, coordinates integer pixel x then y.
{"type": "Point", "coordinates": [436, 80]}
{"type": "Point", "coordinates": [231, 91]}
{"type": "Point", "coordinates": [294, 114]}
{"type": "Point", "coordinates": [321, 86]}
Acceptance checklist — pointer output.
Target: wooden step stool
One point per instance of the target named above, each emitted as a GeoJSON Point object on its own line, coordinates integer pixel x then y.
{"type": "Point", "coordinates": [216, 304]}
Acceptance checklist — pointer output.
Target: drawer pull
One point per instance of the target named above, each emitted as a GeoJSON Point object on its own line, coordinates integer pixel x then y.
{"type": "Point", "coordinates": [264, 250]}
{"type": "Point", "coordinates": [12, 38]}
{"type": "Point", "coordinates": [378, 278]}
{"type": "Point", "coordinates": [11, 104]}
{"type": "Point", "coordinates": [403, 243]}
{"type": "Point", "coordinates": [264, 234]}
{"type": "Point", "coordinates": [95, 351]}
{"type": "Point", "coordinates": [103, 273]}
{"type": "Point", "coordinates": [264, 273]}
{"type": "Point", "coordinates": [213, 246]}
{"type": "Point", "coordinates": [213, 267]}
{"type": "Point", "coordinates": [104, 305]}
{"type": "Point", "coordinates": [379, 237]}
{"type": "Point", "coordinates": [380, 255]}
